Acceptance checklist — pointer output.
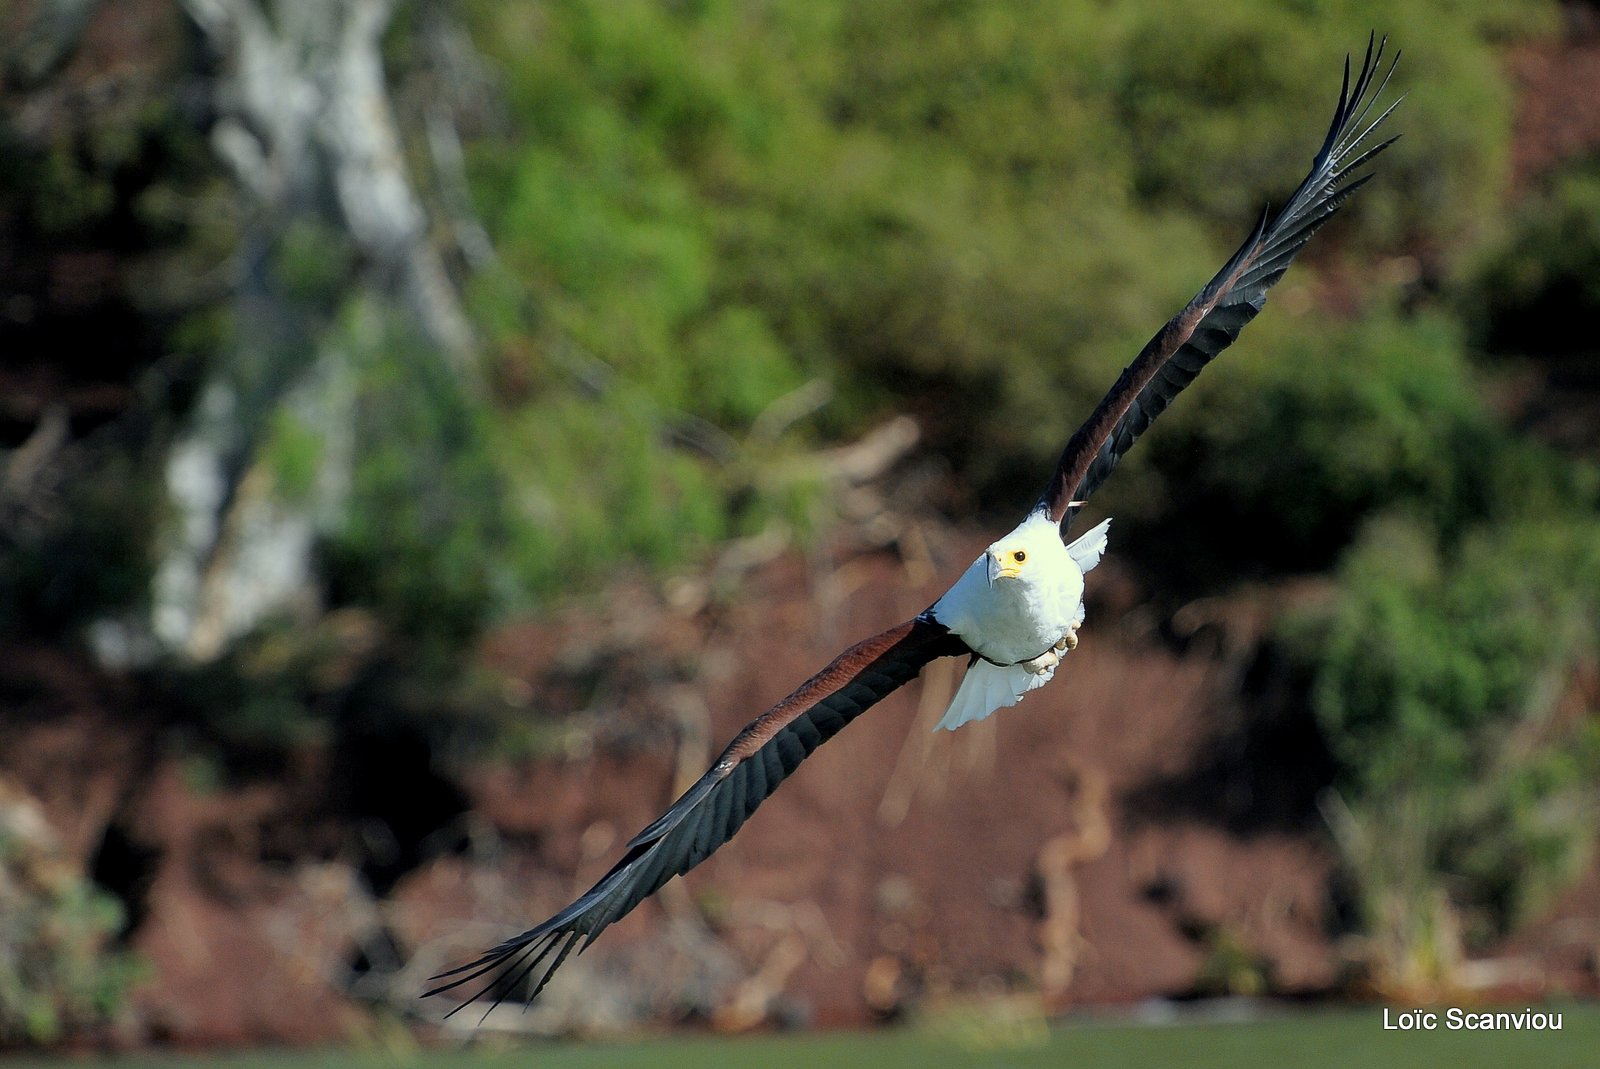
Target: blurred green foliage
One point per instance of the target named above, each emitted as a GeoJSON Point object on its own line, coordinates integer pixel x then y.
{"type": "Point", "coordinates": [76, 541]}
{"type": "Point", "coordinates": [1428, 648]}
{"type": "Point", "coordinates": [1321, 427]}
{"type": "Point", "coordinates": [1448, 675]}
{"type": "Point", "coordinates": [702, 206]}
{"type": "Point", "coordinates": [59, 968]}
{"type": "Point", "coordinates": [1446, 686]}
{"type": "Point", "coordinates": [1536, 289]}
{"type": "Point", "coordinates": [91, 554]}
{"type": "Point", "coordinates": [422, 532]}
{"type": "Point", "coordinates": [1231, 967]}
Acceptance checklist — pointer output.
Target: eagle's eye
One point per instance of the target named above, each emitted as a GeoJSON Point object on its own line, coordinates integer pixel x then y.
{"type": "Point", "coordinates": [1019, 555]}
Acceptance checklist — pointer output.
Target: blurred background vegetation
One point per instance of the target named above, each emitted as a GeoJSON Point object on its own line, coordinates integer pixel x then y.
{"type": "Point", "coordinates": [293, 415]}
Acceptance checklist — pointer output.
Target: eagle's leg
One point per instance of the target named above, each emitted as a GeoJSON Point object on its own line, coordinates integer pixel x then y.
{"type": "Point", "coordinates": [1044, 662]}
{"type": "Point", "coordinates": [1052, 656]}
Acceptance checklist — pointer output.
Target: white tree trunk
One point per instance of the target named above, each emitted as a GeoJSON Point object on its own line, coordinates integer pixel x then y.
{"type": "Point", "coordinates": [307, 129]}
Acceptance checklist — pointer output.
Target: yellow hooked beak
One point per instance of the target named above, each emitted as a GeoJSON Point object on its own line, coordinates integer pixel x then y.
{"type": "Point", "coordinates": [1006, 565]}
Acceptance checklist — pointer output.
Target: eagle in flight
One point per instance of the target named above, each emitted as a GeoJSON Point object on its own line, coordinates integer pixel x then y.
{"type": "Point", "coordinates": [1014, 613]}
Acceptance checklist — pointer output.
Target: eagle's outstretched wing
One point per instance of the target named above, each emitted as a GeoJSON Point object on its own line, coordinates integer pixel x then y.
{"type": "Point", "coordinates": [774, 744]}
{"type": "Point", "coordinates": [1211, 322]}
{"type": "Point", "coordinates": [708, 814]}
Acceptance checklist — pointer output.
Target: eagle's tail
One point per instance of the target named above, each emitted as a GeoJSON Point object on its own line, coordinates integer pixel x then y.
{"type": "Point", "coordinates": [987, 687]}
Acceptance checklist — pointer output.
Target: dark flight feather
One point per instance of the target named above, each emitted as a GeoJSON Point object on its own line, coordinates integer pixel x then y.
{"type": "Point", "coordinates": [1212, 321]}
{"type": "Point", "coordinates": [758, 759]}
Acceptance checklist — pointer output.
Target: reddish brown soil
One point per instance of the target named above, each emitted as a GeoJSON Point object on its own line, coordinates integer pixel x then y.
{"type": "Point", "coordinates": [925, 848]}
{"type": "Point", "coordinates": [1558, 106]}
{"type": "Point", "coordinates": [917, 855]}
{"type": "Point", "coordinates": [1086, 846]}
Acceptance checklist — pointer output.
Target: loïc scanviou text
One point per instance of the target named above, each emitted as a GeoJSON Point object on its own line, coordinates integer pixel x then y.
{"type": "Point", "coordinates": [1456, 1019]}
